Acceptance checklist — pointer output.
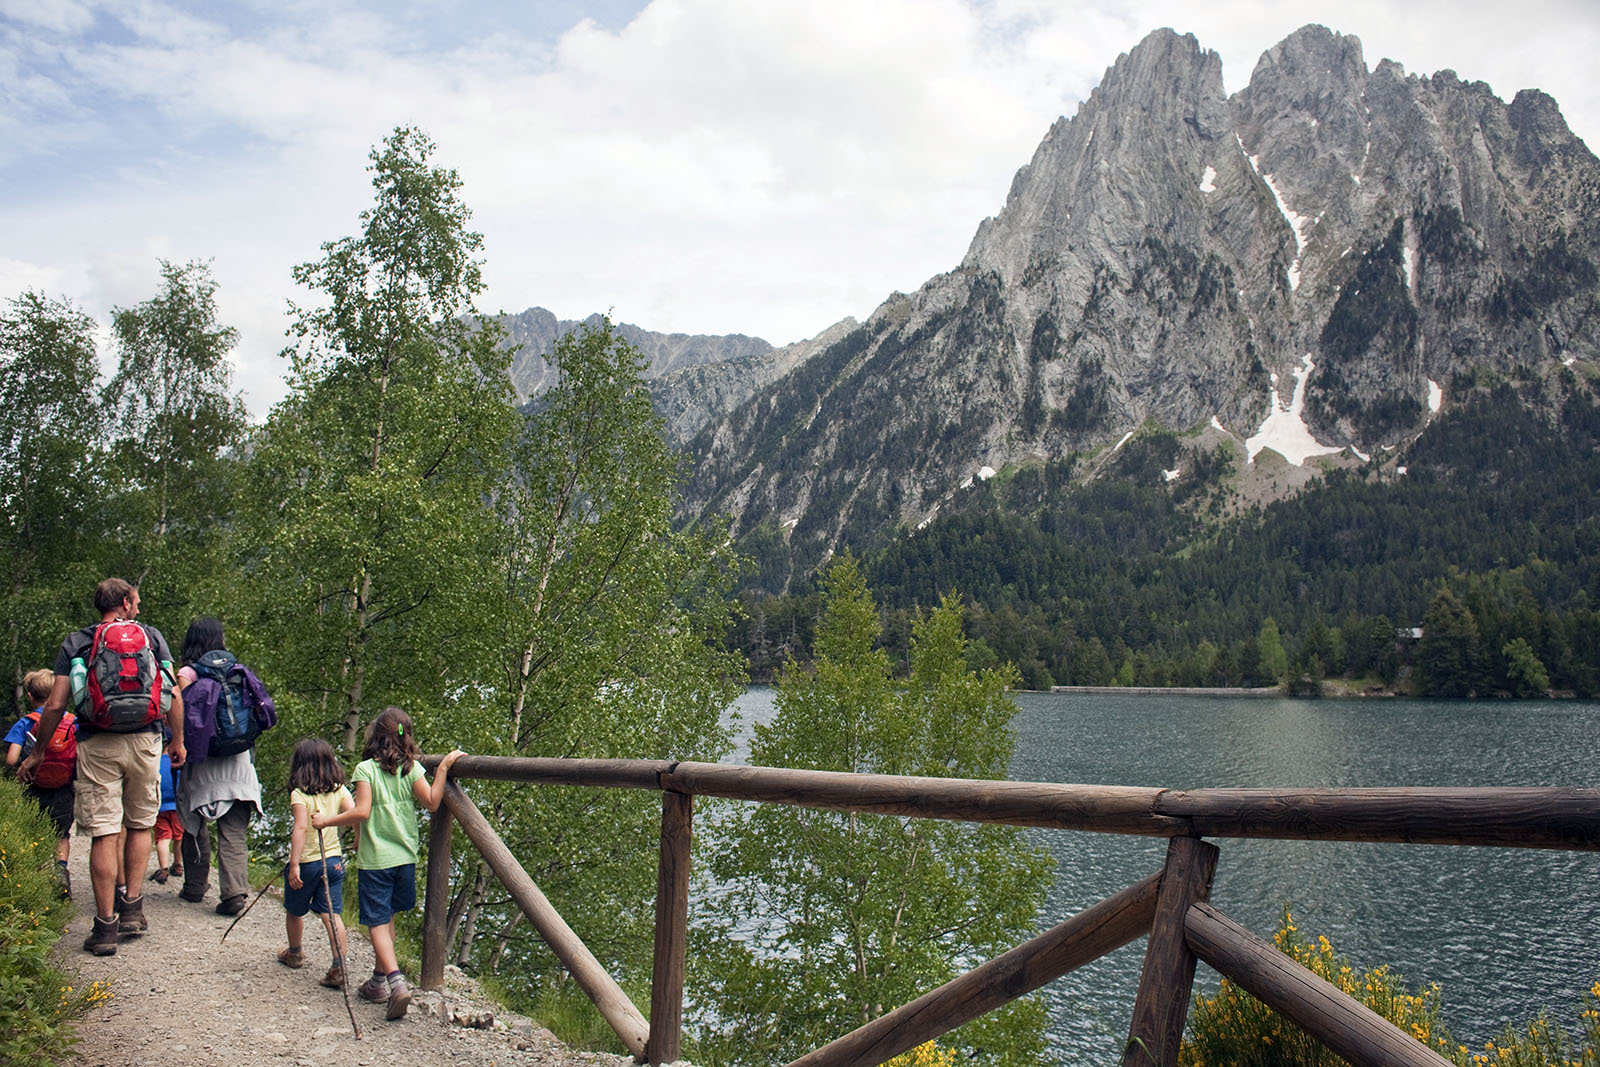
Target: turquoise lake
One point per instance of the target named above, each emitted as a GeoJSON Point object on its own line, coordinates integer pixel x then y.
{"type": "Point", "coordinates": [1504, 932]}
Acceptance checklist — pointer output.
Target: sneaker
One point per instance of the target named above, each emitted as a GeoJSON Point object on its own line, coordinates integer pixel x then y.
{"type": "Point", "coordinates": [102, 940]}
{"type": "Point", "coordinates": [233, 905]}
{"type": "Point", "coordinates": [399, 999]}
{"type": "Point", "coordinates": [292, 957]}
{"type": "Point", "coordinates": [334, 979]}
{"type": "Point", "coordinates": [375, 989]}
{"type": "Point", "coordinates": [130, 917]}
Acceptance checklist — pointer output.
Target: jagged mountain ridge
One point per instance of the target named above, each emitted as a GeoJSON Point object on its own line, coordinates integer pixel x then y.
{"type": "Point", "coordinates": [694, 378]}
{"type": "Point", "coordinates": [1168, 255]}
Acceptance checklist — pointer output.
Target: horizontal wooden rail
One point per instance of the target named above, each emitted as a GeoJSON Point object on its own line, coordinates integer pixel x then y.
{"type": "Point", "coordinates": [1553, 817]}
{"type": "Point", "coordinates": [1082, 939]}
{"type": "Point", "coordinates": [1169, 906]}
{"type": "Point", "coordinates": [1500, 817]}
{"type": "Point", "coordinates": [1349, 1028]}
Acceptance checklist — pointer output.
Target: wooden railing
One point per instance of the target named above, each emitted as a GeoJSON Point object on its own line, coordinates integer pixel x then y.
{"type": "Point", "coordinates": [1170, 906]}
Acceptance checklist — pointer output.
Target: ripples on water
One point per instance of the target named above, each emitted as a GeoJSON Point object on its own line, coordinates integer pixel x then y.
{"type": "Point", "coordinates": [1505, 932]}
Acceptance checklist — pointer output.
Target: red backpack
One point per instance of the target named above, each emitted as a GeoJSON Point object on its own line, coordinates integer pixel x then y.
{"type": "Point", "coordinates": [126, 690]}
{"type": "Point", "coordinates": [60, 753]}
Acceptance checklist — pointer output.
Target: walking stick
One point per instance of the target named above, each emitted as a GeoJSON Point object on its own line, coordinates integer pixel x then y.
{"type": "Point", "coordinates": [333, 940]}
{"type": "Point", "coordinates": [250, 905]}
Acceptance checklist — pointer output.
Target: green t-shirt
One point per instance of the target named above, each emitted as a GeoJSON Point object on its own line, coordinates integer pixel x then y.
{"type": "Point", "coordinates": [389, 837]}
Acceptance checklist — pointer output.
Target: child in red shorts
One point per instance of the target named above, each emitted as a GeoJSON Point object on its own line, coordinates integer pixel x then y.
{"type": "Point", "coordinates": [168, 828]}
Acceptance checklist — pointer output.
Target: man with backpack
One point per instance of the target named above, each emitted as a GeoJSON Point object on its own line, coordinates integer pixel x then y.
{"type": "Point", "coordinates": [118, 674]}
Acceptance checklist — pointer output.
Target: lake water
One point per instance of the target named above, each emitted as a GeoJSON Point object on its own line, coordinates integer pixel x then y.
{"type": "Point", "coordinates": [1505, 932]}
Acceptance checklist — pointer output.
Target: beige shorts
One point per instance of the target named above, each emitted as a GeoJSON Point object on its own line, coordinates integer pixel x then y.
{"type": "Point", "coordinates": [119, 782]}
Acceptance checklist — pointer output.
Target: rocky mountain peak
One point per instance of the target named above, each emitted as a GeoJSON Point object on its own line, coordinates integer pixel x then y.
{"type": "Point", "coordinates": [1171, 256]}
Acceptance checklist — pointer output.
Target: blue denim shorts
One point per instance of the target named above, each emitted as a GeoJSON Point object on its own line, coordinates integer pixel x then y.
{"type": "Point", "coordinates": [384, 891]}
{"type": "Point", "coordinates": [309, 897]}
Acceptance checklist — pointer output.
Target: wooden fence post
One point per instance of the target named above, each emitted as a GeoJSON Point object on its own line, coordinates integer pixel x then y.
{"type": "Point", "coordinates": [434, 905]}
{"type": "Point", "coordinates": [608, 997]}
{"type": "Point", "coordinates": [672, 928]}
{"type": "Point", "coordinates": [1162, 1005]}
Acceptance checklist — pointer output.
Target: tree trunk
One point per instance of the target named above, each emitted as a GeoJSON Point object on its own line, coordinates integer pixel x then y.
{"type": "Point", "coordinates": [502, 939]}
{"type": "Point", "coordinates": [469, 927]}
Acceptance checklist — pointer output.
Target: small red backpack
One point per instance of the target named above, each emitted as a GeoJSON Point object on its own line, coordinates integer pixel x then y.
{"type": "Point", "coordinates": [60, 753]}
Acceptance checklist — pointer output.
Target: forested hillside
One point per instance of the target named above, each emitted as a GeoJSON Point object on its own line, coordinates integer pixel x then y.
{"type": "Point", "coordinates": [1129, 579]}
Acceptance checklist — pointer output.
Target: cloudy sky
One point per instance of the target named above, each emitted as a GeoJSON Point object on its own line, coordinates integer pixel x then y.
{"type": "Point", "coordinates": [708, 166]}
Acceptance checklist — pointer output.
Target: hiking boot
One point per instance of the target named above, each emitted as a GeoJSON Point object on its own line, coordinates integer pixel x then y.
{"type": "Point", "coordinates": [399, 999]}
{"type": "Point", "coordinates": [102, 940]}
{"type": "Point", "coordinates": [161, 876]}
{"type": "Point", "coordinates": [375, 989]}
{"type": "Point", "coordinates": [130, 917]}
{"type": "Point", "coordinates": [292, 957]}
{"type": "Point", "coordinates": [193, 896]}
{"type": "Point", "coordinates": [176, 870]}
{"type": "Point", "coordinates": [233, 905]}
{"type": "Point", "coordinates": [334, 979]}
{"type": "Point", "coordinates": [66, 882]}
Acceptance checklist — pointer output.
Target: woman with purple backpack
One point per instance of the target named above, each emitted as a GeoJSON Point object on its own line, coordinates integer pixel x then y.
{"type": "Point", "coordinates": [220, 784]}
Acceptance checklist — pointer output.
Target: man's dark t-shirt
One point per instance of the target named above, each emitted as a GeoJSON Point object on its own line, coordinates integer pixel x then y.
{"type": "Point", "coordinates": [77, 646]}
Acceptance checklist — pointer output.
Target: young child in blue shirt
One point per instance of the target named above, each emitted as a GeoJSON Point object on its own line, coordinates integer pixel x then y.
{"type": "Point", "coordinates": [55, 799]}
{"type": "Point", "coordinates": [389, 784]}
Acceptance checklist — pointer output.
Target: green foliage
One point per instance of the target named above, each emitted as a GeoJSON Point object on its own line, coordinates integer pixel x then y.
{"type": "Point", "coordinates": [1496, 506]}
{"type": "Point", "coordinates": [1527, 675]}
{"type": "Point", "coordinates": [607, 629]}
{"type": "Point", "coordinates": [49, 479]}
{"type": "Point", "coordinates": [1447, 660]}
{"type": "Point", "coordinates": [179, 427]}
{"type": "Point", "coordinates": [830, 919]}
{"type": "Point", "coordinates": [367, 522]}
{"type": "Point", "coordinates": [1235, 1029]}
{"type": "Point", "coordinates": [1274, 662]}
{"type": "Point", "coordinates": [39, 1001]}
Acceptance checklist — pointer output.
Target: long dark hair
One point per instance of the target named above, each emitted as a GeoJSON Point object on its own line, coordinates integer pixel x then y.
{"type": "Point", "coordinates": [313, 767]}
{"type": "Point", "coordinates": [392, 741]}
{"type": "Point", "coordinates": [205, 635]}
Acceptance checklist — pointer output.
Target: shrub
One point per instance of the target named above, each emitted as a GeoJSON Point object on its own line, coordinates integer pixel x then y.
{"type": "Point", "coordinates": [39, 1001]}
{"type": "Point", "coordinates": [1235, 1029]}
{"type": "Point", "coordinates": [926, 1054]}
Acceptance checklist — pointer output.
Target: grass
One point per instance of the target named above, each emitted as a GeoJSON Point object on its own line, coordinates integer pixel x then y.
{"type": "Point", "coordinates": [40, 1001]}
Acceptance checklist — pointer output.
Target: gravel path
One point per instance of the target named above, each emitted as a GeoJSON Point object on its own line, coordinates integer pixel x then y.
{"type": "Point", "coordinates": [183, 996]}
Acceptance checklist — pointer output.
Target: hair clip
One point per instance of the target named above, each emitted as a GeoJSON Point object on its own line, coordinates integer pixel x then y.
{"type": "Point", "coordinates": [400, 729]}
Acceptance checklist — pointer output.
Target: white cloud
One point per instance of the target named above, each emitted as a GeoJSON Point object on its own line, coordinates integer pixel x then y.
{"type": "Point", "coordinates": [702, 165]}
{"type": "Point", "coordinates": [61, 16]}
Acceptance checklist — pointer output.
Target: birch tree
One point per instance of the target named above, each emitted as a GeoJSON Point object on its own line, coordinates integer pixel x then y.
{"type": "Point", "coordinates": [827, 920]}
{"type": "Point", "coordinates": [49, 486]}
{"type": "Point", "coordinates": [176, 427]}
{"type": "Point", "coordinates": [371, 544]}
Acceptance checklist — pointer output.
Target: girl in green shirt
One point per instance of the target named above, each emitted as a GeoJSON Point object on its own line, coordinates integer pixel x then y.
{"type": "Point", "coordinates": [389, 784]}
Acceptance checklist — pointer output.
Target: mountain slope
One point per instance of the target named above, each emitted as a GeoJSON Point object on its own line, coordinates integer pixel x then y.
{"type": "Point", "coordinates": [1171, 256]}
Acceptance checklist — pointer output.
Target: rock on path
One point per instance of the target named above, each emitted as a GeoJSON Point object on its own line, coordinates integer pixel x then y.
{"type": "Point", "coordinates": [181, 995]}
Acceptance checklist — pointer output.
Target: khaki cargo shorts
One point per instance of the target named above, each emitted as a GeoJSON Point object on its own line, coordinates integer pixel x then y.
{"type": "Point", "coordinates": [119, 782]}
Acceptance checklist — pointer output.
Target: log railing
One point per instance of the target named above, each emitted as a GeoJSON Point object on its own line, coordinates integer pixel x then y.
{"type": "Point", "coordinates": [1170, 906]}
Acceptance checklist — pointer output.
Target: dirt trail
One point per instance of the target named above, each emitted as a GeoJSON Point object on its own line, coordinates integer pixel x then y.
{"type": "Point", "coordinates": [183, 996]}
